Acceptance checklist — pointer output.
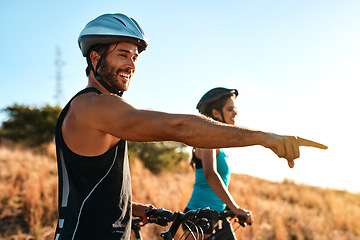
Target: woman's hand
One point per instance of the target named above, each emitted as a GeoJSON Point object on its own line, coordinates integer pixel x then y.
{"type": "Point", "coordinates": [245, 213]}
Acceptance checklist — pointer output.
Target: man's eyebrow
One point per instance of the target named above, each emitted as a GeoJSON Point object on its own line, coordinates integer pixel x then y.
{"type": "Point", "coordinates": [127, 51]}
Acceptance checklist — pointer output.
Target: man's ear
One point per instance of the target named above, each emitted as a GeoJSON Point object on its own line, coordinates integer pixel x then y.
{"type": "Point", "coordinates": [216, 114]}
{"type": "Point", "coordinates": [94, 57]}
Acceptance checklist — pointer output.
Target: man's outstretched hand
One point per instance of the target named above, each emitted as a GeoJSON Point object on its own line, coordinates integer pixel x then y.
{"type": "Point", "coordinates": [288, 147]}
{"type": "Point", "coordinates": [307, 143]}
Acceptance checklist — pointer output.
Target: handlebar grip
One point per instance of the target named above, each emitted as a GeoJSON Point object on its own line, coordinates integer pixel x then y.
{"type": "Point", "coordinates": [160, 216]}
{"type": "Point", "coordinates": [159, 212]}
{"type": "Point", "coordinates": [150, 211]}
{"type": "Point", "coordinates": [241, 218]}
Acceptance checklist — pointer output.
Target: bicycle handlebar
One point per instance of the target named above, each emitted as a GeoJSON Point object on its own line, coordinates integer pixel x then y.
{"type": "Point", "coordinates": [156, 214]}
{"type": "Point", "coordinates": [163, 216]}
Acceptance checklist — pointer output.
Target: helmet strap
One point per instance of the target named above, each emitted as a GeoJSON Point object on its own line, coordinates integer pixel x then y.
{"type": "Point", "coordinates": [107, 86]}
{"type": "Point", "coordinates": [217, 119]}
{"type": "Point", "coordinates": [100, 79]}
{"type": "Point", "coordinates": [222, 115]}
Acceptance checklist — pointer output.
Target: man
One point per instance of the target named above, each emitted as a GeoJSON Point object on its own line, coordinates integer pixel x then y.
{"type": "Point", "coordinates": [91, 133]}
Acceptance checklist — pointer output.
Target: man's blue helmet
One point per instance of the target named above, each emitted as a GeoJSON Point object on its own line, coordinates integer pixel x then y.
{"type": "Point", "coordinates": [111, 28]}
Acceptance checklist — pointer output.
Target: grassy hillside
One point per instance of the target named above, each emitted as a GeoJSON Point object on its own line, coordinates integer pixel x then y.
{"type": "Point", "coordinates": [28, 198]}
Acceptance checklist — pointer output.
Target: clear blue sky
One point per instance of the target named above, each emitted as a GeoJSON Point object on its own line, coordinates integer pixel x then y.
{"type": "Point", "coordinates": [296, 65]}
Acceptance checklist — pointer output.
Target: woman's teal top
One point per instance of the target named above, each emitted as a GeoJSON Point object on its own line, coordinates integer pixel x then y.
{"type": "Point", "coordinates": [202, 195]}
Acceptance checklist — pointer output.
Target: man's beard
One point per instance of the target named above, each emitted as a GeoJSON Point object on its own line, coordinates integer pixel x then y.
{"type": "Point", "coordinates": [110, 73]}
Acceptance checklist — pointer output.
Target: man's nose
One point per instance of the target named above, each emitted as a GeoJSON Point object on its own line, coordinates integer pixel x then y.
{"type": "Point", "coordinates": [130, 64]}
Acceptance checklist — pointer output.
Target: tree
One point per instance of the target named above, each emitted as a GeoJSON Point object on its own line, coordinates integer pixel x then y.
{"type": "Point", "coordinates": [157, 156]}
{"type": "Point", "coordinates": [30, 126]}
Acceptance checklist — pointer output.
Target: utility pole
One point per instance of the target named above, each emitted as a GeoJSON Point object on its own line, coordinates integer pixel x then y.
{"type": "Point", "coordinates": [58, 77]}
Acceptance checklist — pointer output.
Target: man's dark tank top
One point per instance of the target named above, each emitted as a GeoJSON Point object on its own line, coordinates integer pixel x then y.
{"type": "Point", "coordinates": [94, 192]}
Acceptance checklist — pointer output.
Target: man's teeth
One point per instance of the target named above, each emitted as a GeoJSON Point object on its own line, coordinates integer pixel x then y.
{"type": "Point", "coordinates": [125, 75]}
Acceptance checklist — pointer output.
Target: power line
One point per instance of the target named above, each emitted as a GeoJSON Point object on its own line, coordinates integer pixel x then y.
{"type": "Point", "coordinates": [59, 63]}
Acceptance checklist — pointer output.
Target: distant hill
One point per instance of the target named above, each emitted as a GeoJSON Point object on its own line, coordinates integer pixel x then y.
{"type": "Point", "coordinates": [28, 201]}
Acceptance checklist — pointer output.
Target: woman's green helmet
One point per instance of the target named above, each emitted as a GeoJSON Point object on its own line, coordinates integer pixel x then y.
{"type": "Point", "coordinates": [213, 96]}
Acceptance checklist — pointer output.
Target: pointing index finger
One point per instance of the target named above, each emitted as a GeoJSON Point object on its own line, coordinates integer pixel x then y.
{"type": "Point", "coordinates": [309, 143]}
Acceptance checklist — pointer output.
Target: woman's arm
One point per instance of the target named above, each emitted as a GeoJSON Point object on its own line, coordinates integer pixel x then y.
{"type": "Point", "coordinates": [208, 158]}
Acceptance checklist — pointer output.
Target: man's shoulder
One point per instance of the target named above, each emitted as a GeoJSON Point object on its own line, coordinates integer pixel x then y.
{"type": "Point", "coordinates": [93, 100]}
{"type": "Point", "coordinates": [98, 107]}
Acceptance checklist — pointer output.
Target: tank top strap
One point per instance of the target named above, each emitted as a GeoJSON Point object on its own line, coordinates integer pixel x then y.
{"type": "Point", "coordinates": [196, 160]}
{"type": "Point", "coordinates": [65, 109]}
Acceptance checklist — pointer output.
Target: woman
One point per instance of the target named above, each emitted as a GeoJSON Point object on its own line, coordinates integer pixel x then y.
{"type": "Point", "coordinates": [212, 173]}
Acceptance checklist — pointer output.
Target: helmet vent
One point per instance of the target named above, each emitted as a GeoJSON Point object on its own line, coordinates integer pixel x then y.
{"type": "Point", "coordinates": [120, 21]}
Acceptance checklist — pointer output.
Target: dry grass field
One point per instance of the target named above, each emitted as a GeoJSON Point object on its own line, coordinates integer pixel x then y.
{"type": "Point", "coordinates": [28, 201]}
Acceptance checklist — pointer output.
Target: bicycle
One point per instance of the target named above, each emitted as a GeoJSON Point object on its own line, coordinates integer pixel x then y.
{"type": "Point", "coordinates": [162, 217]}
{"type": "Point", "coordinates": [199, 219]}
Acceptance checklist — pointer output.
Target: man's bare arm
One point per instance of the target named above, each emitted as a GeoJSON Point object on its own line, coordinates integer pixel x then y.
{"type": "Point", "coordinates": [113, 115]}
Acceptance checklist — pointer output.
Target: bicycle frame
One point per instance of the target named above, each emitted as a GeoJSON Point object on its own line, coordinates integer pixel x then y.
{"type": "Point", "coordinates": [178, 220]}
{"type": "Point", "coordinates": [170, 233]}
{"type": "Point", "coordinates": [135, 227]}
{"type": "Point", "coordinates": [226, 231]}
